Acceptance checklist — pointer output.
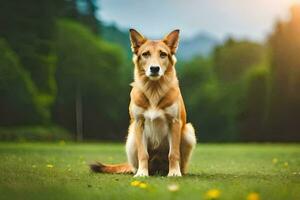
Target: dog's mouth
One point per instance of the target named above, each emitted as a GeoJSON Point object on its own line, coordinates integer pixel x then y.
{"type": "Point", "coordinates": [155, 76]}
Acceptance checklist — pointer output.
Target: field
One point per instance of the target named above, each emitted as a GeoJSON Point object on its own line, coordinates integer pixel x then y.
{"type": "Point", "coordinates": [228, 171]}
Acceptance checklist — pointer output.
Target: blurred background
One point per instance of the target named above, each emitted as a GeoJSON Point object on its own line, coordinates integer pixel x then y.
{"type": "Point", "coordinates": [65, 67]}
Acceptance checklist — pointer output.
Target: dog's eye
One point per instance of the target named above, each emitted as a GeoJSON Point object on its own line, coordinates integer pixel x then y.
{"type": "Point", "coordinates": [163, 54]}
{"type": "Point", "coordinates": [146, 54]}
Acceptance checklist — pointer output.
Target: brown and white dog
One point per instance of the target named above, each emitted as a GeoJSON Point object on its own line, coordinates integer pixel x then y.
{"type": "Point", "coordinates": [159, 138]}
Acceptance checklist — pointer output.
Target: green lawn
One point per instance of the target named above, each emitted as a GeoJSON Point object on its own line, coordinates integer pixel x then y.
{"type": "Point", "coordinates": [234, 169]}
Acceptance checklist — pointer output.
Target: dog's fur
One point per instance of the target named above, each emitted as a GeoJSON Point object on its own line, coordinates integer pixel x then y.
{"type": "Point", "coordinates": [159, 139]}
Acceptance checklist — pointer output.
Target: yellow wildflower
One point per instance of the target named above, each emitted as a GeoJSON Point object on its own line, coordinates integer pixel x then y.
{"type": "Point", "coordinates": [253, 196]}
{"type": "Point", "coordinates": [173, 187]}
{"type": "Point", "coordinates": [274, 161]}
{"type": "Point", "coordinates": [50, 166]}
{"type": "Point", "coordinates": [143, 185]}
{"type": "Point", "coordinates": [135, 183]}
{"type": "Point", "coordinates": [213, 194]}
{"type": "Point", "coordinates": [139, 184]}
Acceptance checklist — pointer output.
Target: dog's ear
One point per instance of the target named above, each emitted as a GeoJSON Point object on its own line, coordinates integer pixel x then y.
{"type": "Point", "coordinates": [136, 40]}
{"type": "Point", "coordinates": [172, 40]}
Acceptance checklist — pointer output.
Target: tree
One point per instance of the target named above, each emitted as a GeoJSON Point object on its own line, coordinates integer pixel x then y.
{"type": "Point", "coordinates": [19, 104]}
{"type": "Point", "coordinates": [83, 11]}
{"type": "Point", "coordinates": [208, 107]}
{"type": "Point", "coordinates": [234, 58]}
{"type": "Point", "coordinates": [285, 106]}
{"type": "Point", "coordinates": [254, 113]}
{"type": "Point", "coordinates": [89, 70]}
{"type": "Point", "coordinates": [28, 27]}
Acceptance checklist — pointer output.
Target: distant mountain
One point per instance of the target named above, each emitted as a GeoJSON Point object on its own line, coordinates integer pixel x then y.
{"type": "Point", "coordinates": [201, 44]}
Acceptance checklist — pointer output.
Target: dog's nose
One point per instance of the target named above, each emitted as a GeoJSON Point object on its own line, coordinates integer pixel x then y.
{"type": "Point", "coordinates": [154, 69]}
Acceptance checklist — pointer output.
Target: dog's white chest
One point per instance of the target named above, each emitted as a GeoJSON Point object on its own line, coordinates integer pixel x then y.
{"type": "Point", "coordinates": [156, 127]}
{"type": "Point", "coordinates": [156, 124]}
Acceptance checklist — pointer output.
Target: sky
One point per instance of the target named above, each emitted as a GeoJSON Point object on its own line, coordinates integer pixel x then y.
{"type": "Point", "coordinates": [251, 19]}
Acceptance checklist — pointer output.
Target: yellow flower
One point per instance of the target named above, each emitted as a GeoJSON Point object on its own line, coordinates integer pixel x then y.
{"type": "Point", "coordinates": [213, 194]}
{"type": "Point", "coordinates": [253, 196]}
{"type": "Point", "coordinates": [286, 164]}
{"type": "Point", "coordinates": [173, 187]}
{"type": "Point", "coordinates": [135, 183]}
{"type": "Point", "coordinates": [274, 161]}
{"type": "Point", "coordinates": [50, 166]}
{"type": "Point", "coordinates": [139, 184]}
{"type": "Point", "coordinates": [143, 185]}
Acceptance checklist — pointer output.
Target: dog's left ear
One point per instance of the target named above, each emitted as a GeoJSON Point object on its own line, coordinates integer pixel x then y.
{"type": "Point", "coordinates": [172, 40]}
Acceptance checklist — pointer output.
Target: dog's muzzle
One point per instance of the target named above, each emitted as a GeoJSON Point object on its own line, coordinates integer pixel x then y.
{"type": "Point", "coordinates": [154, 70]}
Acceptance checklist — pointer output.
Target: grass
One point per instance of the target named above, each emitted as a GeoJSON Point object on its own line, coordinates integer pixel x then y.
{"type": "Point", "coordinates": [59, 171]}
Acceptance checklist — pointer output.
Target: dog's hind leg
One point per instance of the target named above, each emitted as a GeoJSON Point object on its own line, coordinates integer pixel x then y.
{"type": "Point", "coordinates": [131, 149]}
{"type": "Point", "coordinates": [188, 142]}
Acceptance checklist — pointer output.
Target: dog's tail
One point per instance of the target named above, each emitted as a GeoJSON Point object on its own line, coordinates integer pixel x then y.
{"type": "Point", "coordinates": [123, 168]}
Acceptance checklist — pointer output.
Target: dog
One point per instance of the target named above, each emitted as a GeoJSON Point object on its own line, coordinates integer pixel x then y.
{"type": "Point", "coordinates": [159, 140]}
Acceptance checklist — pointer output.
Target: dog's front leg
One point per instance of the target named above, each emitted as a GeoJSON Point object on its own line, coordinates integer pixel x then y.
{"type": "Point", "coordinates": [142, 149]}
{"type": "Point", "coordinates": [174, 153]}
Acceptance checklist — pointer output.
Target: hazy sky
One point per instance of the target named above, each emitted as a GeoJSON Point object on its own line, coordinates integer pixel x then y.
{"type": "Point", "coordinates": [241, 18]}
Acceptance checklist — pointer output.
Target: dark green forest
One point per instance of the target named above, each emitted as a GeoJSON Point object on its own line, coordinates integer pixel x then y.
{"type": "Point", "coordinates": [64, 74]}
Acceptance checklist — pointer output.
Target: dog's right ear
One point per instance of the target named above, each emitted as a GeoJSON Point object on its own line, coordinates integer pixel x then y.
{"type": "Point", "coordinates": [136, 40]}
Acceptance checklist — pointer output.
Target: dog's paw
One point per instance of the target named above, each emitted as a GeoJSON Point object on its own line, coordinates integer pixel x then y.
{"type": "Point", "coordinates": [174, 173]}
{"type": "Point", "coordinates": [141, 173]}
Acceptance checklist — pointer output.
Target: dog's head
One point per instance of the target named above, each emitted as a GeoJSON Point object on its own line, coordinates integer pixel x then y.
{"type": "Point", "coordinates": [154, 57]}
